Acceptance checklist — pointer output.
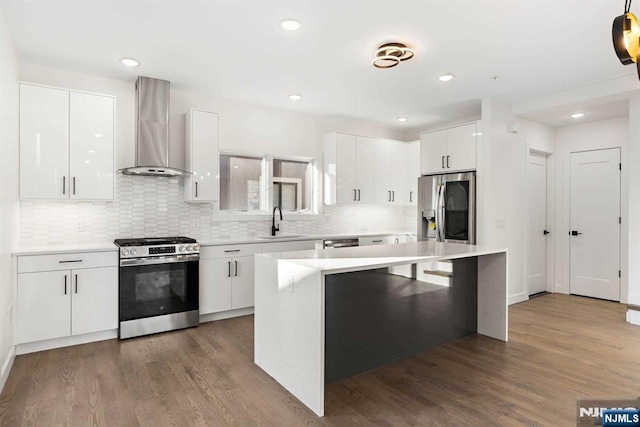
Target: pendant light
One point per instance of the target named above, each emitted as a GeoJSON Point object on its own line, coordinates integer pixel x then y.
{"type": "Point", "coordinates": [626, 36]}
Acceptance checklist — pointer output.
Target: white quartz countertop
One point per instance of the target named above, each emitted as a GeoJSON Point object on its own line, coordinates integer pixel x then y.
{"type": "Point", "coordinates": [109, 246]}
{"type": "Point", "coordinates": [331, 261]}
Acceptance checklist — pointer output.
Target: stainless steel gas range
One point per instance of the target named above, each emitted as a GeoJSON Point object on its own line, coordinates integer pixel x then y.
{"type": "Point", "coordinates": [158, 285]}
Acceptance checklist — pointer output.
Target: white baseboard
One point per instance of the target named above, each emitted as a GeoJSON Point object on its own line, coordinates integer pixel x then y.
{"type": "Point", "coordinates": [514, 299]}
{"type": "Point", "coordinates": [6, 367]}
{"type": "Point", "coordinates": [633, 299]}
{"type": "Point", "coordinates": [226, 314]}
{"type": "Point", "coordinates": [33, 347]}
{"type": "Point", "coordinates": [633, 317]}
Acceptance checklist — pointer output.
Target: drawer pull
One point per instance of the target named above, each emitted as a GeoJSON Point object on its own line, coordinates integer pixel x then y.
{"type": "Point", "coordinates": [67, 262]}
{"type": "Point", "coordinates": [232, 250]}
{"type": "Point", "coordinates": [377, 241]}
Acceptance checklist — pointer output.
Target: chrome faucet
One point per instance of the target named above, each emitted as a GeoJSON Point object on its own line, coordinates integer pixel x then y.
{"type": "Point", "coordinates": [275, 229]}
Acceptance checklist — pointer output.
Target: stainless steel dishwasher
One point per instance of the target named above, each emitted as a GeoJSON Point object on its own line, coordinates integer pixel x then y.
{"type": "Point", "coordinates": [339, 243]}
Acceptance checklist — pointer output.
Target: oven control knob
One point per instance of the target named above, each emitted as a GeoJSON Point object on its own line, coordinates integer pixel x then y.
{"type": "Point", "coordinates": [196, 248]}
{"type": "Point", "coordinates": [125, 252]}
{"type": "Point", "coordinates": [182, 248]}
{"type": "Point", "coordinates": [189, 248]}
{"type": "Point", "coordinates": [133, 251]}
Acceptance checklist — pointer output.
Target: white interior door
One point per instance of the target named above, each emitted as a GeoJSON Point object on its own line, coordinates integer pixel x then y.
{"type": "Point", "coordinates": [537, 223]}
{"type": "Point", "coordinates": [595, 226]}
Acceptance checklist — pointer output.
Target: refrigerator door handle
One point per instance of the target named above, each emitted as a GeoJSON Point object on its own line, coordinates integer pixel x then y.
{"type": "Point", "coordinates": [440, 214]}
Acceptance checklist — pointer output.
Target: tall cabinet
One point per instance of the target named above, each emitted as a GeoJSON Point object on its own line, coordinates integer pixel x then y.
{"type": "Point", "coordinates": [201, 156]}
{"type": "Point", "coordinates": [66, 144]}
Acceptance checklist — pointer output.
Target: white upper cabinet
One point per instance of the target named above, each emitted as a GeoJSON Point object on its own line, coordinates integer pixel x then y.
{"type": "Point", "coordinates": [450, 150]}
{"type": "Point", "coordinates": [66, 144]}
{"type": "Point", "coordinates": [91, 165]}
{"type": "Point", "coordinates": [363, 170]}
{"type": "Point", "coordinates": [44, 143]}
{"type": "Point", "coordinates": [398, 163]}
{"type": "Point", "coordinates": [201, 156]}
{"type": "Point", "coordinates": [461, 148]}
{"type": "Point", "coordinates": [414, 172]}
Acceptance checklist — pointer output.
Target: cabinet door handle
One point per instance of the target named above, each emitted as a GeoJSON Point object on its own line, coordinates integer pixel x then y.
{"type": "Point", "coordinates": [236, 274]}
{"type": "Point", "coordinates": [76, 283]}
{"type": "Point", "coordinates": [397, 240]}
{"type": "Point", "coordinates": [442, 162]}
{"type": "Point", "coordinates": [393, 196]}
{"type": "Point", "coordinates": [358, 194]}
{"type": "Point", "coordinates": [448, 162]}
{"type": "Point", "coordinates": [196, 188]}
{"type": "Point", "coordinates": [355, 195]}
{"type": "Point", "coordinates": [64, 185]}
{"type": "Point", "coordinates": [72, 260]}
{"type": "Point", "coordinates": [65, 284]}
{"type": "Point", "coordinates": [229, 271]}
{"type": "Point", "coordinates": [232, 250]}
{"type": "Point", "coordinates": [389, 196]}
{"type": "Point", "coordinates": [73, 180]}
{"type": "Point", "coordinates": [411, 196]}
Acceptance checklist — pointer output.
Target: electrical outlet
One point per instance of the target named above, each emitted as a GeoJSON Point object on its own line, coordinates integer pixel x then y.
{"type": "Point", "coordinates": [80, 226]}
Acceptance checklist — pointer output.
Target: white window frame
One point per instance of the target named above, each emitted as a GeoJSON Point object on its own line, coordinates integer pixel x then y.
{"type": "Point", "coordinates": [313, 213]}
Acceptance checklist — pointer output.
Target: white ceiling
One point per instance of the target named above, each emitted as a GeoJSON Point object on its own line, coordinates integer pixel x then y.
{"type": "Point", "coordinates": [593, 112]}
{"type": "Point", "coordinates": [237, 50]}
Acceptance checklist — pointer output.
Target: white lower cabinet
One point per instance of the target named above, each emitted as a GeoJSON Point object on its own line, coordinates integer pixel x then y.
{"type": "Point", "coordinates": [62, 303]}
{"type": "Point", "coordinates": [373, 240]}
{"type": "Point", "coordinates": [227, 277]}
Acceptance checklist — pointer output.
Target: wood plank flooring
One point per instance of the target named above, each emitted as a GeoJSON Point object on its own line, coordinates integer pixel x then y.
{"type": "Point", "coordinates": [562, 348]}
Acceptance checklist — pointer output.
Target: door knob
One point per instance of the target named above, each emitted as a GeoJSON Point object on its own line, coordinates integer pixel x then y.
{"type": "Point", "coordinates": [575, 233]}
{"type": "Point", "coordinates": [545, 232]}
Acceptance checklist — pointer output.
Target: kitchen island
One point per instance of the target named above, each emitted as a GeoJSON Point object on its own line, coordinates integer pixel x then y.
{"type": "Point", "coordinates": [325, 315]}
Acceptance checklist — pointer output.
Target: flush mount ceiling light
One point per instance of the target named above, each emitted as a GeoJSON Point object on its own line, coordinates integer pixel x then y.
{"type": "Point", "coordinates": [446, 77]}
{"type": "Point", "coordinates": [295, 97]}
{"type": "Point", "coordinates": [625, 33]}
{"type": "Point", "coordinates": [402, 119]}
{"type": "Point", "coordinates": [391, 54]}
{"type": "Point", "coordinates": [290, 24]}
{"type": "Point", "coordinates": [577, 115]}
{"type": "Point", "coordinates": [130, 62]}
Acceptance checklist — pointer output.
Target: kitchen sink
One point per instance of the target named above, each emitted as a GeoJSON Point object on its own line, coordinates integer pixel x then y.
{"type": "Point", "coordinates": [281, 236]}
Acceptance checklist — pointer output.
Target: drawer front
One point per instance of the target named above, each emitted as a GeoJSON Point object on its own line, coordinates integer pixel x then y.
{"type": "Point", "coordinates": [208, 252]}
{"type": "Point", "coordinates": [34, 263]}
{"type": "Point", "coordinates": [373, 240]}
{"type": "Point", "coordinates": [304, 245]}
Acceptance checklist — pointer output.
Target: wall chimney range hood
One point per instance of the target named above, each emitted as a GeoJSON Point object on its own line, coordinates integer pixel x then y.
{"type": "Point", "coordinates": [152, 130]}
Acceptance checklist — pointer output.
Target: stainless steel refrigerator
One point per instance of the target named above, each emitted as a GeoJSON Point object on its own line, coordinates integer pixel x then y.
{"type": "Point", "coordinates": [447, 208]}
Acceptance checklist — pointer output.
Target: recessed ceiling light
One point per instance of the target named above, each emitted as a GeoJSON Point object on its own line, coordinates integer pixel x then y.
{"type": "Point", "coordinates": [295, 97]}
{"type": "Point", "coordinates": [446, 77]}
{"type": "Point", "coordinates": [477, 134]}
{"type": "Point", "coordinates": [402, 119]}
{"type": "Point", "coordinates": [290, 25]}
{"type": "Point", "coordinates": [130, 62]}
{"type": "Point", "coordinates": [577, 115]}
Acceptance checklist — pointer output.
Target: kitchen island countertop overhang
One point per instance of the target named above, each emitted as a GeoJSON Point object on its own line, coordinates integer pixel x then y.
{"type": "Point", "coordinates": [291, 309]}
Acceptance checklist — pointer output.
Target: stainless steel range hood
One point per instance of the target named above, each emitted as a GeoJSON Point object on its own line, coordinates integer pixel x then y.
{"type": "Point", "coordinates": [152, 130]}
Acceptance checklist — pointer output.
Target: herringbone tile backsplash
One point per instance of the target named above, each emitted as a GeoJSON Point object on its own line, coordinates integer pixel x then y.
{"type": "Point", "coordinates": [148, 207]}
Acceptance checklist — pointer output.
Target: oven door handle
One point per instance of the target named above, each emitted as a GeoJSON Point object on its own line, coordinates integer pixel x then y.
{"type": "Point", "coordinates": [134, 262]}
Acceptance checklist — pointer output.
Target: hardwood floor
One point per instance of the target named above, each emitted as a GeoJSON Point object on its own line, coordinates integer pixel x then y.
{"type": "Point", "coordinates": [561, 349]}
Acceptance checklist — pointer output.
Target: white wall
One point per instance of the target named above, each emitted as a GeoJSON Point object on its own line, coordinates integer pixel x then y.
{"type": "Point", "coordinates": [8, 192]}
{"type": "Point", "coordinates": [633, 210]}
{"type": "Point", "coordinates": [583, 137]}
{"type": "Point", "coordinates": [502, 183]}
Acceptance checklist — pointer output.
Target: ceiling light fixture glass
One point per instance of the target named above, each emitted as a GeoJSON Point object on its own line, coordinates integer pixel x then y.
{"type": "Point", "coordinates": [391, 54]}
{"type": "Point", "coordinates": [402, 119]}
{"type": "Point", "coordinates": [295, 97]}
{"type": "Point", "coordinates": [290, 24]}
{"type": "Point", "coordinates": [625, 33]}
{"type": "Point", "coordinates": [577, 115]}
{"type": "Point", "coordinates": [446, 77]}
{"type": "Point", "coordinates": [130, 62]}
